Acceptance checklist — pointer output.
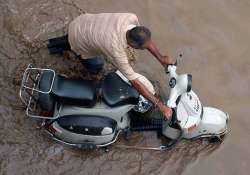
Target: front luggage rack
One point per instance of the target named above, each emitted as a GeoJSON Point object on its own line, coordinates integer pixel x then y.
{"type": "Point", "coordinates": [29, 91]}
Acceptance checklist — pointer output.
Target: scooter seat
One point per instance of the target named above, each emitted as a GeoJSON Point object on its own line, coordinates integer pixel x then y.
{"type": "Point", "coordinates": [116, 92]}
{"type": "Point", "coordinates": [74, 91]}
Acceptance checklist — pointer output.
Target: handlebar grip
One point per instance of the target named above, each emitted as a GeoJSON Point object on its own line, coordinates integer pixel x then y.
{"type": "Point", "coordinates": [175, 64]}
{"type": "Point", "coordinates": [166, 67]}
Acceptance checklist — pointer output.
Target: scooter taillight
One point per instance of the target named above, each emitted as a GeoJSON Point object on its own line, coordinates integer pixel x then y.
{"type": "Point", "coordinates": [51, 129]}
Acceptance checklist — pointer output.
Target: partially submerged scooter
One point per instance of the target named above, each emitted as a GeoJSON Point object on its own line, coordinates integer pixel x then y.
{"type": "Point", "coordinates": [89, 114]}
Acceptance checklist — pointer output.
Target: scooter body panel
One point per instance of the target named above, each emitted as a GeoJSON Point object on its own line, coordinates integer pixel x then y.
{"type": "Point", "coordinates": [120, 113]}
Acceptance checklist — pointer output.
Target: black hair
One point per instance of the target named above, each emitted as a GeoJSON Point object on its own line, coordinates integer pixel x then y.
{"type": "Point", "coordinates": [139, 35]}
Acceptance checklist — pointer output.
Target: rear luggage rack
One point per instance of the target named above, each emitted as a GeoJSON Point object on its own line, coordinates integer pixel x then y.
{"type": "Point", "coordinates": [29, 91]}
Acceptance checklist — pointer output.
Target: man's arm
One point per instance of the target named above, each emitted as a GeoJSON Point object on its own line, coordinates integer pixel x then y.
{"type": "Point", "coordinates": [164, 60]}
{"type": "Point", "coordinates": [166, 111]}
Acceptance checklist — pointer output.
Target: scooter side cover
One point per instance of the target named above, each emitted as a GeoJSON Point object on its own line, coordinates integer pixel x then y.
{"type": "Point", "coordinates": [85, 129]}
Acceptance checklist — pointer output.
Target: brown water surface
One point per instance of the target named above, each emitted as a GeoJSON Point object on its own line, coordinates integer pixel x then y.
{"type": "Point", "coordinates": [214, 38]}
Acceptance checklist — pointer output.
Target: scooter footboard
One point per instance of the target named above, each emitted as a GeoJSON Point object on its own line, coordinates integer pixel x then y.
{"type": "Point", "coordinates": [30, 89]}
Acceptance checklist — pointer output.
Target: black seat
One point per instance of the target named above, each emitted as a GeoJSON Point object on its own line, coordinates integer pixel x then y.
{"type": "Point", "coordinates": [116, 92]}
{"type": "Point", "coordinates": [46, 101]}
{"type": "Point", "coordinates": [74, 91]}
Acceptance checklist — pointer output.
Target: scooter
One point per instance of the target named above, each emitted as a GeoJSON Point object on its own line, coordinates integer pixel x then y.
{"type": "Point", "coordinates": [89, 114]}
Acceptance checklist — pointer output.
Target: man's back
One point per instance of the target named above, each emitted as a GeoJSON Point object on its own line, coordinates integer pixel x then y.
{"type": "Point", "coordinates": [104, 33]}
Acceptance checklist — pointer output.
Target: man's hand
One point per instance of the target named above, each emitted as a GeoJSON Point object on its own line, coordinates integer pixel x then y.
{"type": "Point", "coordinates": [166, 60]}
{"type": "Point", "coordinates": [166, 111]}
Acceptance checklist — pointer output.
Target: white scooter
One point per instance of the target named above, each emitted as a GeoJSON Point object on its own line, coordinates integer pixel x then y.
{"type": "Point", "coordinates": [91, 115]}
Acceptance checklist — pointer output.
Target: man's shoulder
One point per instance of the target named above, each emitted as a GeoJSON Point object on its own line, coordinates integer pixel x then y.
{"type": "Point", "coordinates": [99, 17]}
{"type": "Point", "coordinates": [128, 14]}
{"type": "Point", "coordinates": [131, 15]}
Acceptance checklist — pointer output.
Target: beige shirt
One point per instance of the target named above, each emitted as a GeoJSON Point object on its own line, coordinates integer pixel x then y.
{"type": "Point", "coordinates": [105, 34]}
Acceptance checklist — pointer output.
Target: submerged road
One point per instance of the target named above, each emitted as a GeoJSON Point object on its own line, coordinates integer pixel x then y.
{"type": "Point", "coordinates": [214, 38]}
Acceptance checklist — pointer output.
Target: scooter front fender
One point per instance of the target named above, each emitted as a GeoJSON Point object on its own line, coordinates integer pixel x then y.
{"type": "Point", "coordinates": [214, 122]}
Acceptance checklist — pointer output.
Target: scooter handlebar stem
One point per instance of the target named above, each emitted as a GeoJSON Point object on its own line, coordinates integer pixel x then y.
{"type": "Point", "coordinates": [172, 71]}
{"type": "Point", "coordinates": [179, 84]}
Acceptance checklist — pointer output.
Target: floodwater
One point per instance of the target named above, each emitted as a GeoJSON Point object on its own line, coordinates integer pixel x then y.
{"type": "Point", "coordinates": [214, 38]}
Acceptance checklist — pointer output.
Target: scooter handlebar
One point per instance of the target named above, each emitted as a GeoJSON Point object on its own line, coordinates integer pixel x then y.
{"type": "Point", "coordinates": [170, 65]}
{"type": "Point", "coordinates": [171, 70]}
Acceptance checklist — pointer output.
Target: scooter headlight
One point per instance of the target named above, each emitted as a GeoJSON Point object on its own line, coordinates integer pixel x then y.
{"type": "Point", "coordinates": [143, 105]}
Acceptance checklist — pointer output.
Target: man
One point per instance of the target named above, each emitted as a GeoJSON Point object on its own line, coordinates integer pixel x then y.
{"type": "Point", "coordinates": [116, 35]}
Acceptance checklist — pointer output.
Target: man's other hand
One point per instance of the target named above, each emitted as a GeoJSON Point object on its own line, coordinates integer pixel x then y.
{"type": "Point", "coordinates": [166, 111]}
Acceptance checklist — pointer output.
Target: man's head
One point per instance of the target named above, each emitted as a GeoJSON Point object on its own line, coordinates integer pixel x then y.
{"type": "Point", "coordinates": [138, 37]}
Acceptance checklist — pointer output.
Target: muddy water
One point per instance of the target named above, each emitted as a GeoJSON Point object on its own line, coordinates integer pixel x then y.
{"type": "Point", "coordinates": [214, 38]}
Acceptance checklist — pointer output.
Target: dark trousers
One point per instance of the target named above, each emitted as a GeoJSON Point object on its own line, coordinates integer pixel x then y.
{"type": "Point", "coordinates": [59, 44]}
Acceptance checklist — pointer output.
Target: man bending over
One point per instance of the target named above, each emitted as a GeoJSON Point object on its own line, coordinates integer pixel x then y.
{"type": "Point", "coordinates": [117, 35]}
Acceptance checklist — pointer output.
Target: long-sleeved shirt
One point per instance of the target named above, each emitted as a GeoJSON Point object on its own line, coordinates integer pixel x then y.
{"type": "Point", "coordinates": [105, 34]}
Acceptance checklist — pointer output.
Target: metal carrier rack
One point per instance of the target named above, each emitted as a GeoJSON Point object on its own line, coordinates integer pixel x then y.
{"type": "Point", "coordinates": [29, 91]}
